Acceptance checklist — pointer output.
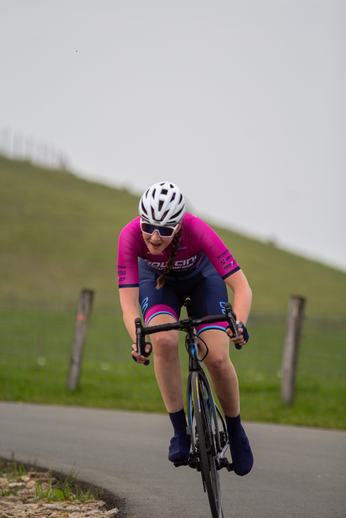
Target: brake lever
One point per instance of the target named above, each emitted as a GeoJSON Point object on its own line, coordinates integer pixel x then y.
{"type": "Point", "coordinates": [140, 340]}
{"type": "Point", "coordinates": [232, 320]}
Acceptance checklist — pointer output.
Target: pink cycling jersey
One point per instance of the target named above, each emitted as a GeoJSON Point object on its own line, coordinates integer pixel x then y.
{"type": "Point", "coordinates": [198, 240]}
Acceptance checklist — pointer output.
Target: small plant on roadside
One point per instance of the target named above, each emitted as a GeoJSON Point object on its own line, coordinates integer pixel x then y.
{"type": "Point", "coordinates": [82, 495]}
{"type": "Point", "coordinates": [8, 492]}
{"type": "Point", "coordinates": [14, 471]}
{"type": "Point", "coordinates": [65, 493]}
{"type": "Point", "coordinates": [52, 491]}
{"type": "Point", "coordinates": [45, 493]}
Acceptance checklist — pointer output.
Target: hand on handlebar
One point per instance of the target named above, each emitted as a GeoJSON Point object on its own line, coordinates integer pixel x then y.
{"type": "Point", "coordinates": [143, 358]}
{"type": "Point", "coordinates": [243, 334]}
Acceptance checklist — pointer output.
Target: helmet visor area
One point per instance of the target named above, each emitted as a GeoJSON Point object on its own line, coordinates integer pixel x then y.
{"type": "Point", "coordinates": [149, 229]}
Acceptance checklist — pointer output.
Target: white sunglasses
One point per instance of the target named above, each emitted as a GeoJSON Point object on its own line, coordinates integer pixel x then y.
{"type": "Point", "coordinates": [149, 229]}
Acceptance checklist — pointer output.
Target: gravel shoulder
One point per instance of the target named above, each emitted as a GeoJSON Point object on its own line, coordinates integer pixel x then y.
{"type": "Point", "coordinates": [18, 495]}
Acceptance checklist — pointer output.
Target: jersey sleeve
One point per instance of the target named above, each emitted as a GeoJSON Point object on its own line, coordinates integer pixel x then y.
{"type": "Point", "coordinates": [214, 248]}
{"type": "Point", "coordinates": [129, 249]}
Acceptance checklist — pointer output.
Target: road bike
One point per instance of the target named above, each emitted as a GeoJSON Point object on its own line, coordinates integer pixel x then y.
{"type": "Point", "coordinates": [206, 425]}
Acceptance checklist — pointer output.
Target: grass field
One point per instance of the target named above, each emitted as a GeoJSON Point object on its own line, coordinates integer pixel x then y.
{"type": "Point", "coordinates": [59, 234]}
{"type": "Point", "coordinates": [36, 345]}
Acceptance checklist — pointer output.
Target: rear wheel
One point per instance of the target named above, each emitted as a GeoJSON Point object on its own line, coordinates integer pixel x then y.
{"type": "Point", "coordinates": [204, 442]}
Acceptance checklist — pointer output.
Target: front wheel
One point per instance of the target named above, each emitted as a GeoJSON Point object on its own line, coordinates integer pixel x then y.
{"type": "Point", "coordinates": [204, 441]}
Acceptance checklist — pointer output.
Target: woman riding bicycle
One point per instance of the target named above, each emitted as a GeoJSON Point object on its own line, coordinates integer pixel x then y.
{"type": "Point", "coordinates": [180, 255]}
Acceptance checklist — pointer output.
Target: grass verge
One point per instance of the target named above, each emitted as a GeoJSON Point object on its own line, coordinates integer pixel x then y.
{"type": "Point", "coordinates": [36, 346]}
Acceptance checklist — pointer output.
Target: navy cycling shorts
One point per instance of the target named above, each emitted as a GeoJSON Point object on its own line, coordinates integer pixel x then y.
{"type": "Point", "coordinates": [206, 289]}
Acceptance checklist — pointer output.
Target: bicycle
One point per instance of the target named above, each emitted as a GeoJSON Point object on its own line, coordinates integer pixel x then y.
{"type": "Point", "coordinates": [206, 424]}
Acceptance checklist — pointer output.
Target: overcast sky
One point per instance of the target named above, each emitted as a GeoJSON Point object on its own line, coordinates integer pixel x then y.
{"type": "Point", "coordinates": [241, 103]}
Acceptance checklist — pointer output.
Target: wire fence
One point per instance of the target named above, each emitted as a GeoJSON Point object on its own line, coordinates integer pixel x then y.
{"type": "Point", "coordinates": [36, 344]}
{"type": "Point", "coordinates": [21, 146]}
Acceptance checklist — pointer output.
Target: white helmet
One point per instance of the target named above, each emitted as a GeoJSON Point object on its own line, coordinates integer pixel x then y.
{"type": "Point", "coordinates": [163, 205]}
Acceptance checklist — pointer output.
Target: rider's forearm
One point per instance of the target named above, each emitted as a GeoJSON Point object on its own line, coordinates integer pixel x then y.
{"type": "Point", "coordinates": [129, 316]}
{"type": "Point", "coordinates": [129, 305]}
{"type": "Point", "coordinates": [242, 295]}
{"type": "Point", "coordinates": [242, 303]}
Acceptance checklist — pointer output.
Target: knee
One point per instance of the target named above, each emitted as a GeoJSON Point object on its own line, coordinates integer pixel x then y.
{"type": "Point", "coordinates": [164, 345]}
{"type": "Point", "coordinates": [218, 365]}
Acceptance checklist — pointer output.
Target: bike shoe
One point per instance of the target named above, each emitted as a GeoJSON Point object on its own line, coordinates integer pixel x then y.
{"type": "Point", "coordinates": [179, 448]}
{"type": "Point", "coordinates": [242, 457]}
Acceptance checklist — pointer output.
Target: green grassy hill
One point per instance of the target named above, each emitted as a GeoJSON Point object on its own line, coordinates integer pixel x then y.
{"type": "Point", "coordinates": [59, 234]}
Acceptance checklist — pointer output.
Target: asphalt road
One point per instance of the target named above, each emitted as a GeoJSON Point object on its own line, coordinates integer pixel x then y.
{"type": "Point", "coordinates": [298, 472]}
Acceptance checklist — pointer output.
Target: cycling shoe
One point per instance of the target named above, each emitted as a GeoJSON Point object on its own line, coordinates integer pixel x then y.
{"type": "Point", "coordinates": [242, 457]}
{"type": "Point", "coordinates": [179, 448]}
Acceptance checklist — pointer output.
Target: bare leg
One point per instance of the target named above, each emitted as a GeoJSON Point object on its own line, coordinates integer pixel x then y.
{"type": "Point", "coordinates": [167, 364]}
{"type": "Point", "coordinates": [170, 380]}
{"type": "Point", "coordinates": [222, 373]}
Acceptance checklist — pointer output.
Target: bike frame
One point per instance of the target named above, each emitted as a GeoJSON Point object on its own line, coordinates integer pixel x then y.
{"type": "Point", "coordinates": [195, 365]}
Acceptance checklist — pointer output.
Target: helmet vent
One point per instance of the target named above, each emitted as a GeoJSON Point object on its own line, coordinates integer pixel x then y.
{"type": "Point", "coordinates": [177, 214]}
{"type": "Point", "coordinates": [165, 214]}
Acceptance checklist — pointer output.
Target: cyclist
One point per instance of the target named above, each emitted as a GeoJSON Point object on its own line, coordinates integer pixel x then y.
{"type": "Point", "coordinates": [181, 255]}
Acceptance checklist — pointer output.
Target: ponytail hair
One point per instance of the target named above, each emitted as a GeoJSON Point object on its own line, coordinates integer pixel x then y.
{"type": "Point", "coordinates": [175, 245]}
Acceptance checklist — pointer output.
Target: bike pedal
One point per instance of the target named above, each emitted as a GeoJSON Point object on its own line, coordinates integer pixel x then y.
{"type": "Point", "coordinates": [224, 463]}
{"type": "Point", "coordinates": [181, 463]}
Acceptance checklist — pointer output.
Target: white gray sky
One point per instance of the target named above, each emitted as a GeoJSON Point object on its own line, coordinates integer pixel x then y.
{"type": "Point", "coordinates": [241, 103]}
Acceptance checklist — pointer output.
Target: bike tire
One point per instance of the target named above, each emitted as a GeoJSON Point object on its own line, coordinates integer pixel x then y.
{"type": "Point", "coordinates": [204, 443]}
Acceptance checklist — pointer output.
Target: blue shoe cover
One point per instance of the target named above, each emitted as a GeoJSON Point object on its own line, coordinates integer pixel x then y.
{"type": "Point", "coordinates": [179, 448]}
{"type": "Point", "coordinates": [242, 457]}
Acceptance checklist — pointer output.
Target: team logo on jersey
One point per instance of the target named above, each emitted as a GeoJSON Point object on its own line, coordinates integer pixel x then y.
{"type": "Point", "coordinates": [184, 264]}
{"type": "Point", "coordinates": [223, 254]}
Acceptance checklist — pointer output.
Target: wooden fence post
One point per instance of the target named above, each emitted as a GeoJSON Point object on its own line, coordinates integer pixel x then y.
{"type": "Point", "coordinates": [82, 319]}
{"type": "Point", "coordinates": [290, 356]}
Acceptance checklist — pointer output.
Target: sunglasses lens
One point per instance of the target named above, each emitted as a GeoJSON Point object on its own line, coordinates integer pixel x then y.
{"type": "Point", "coordinates": [165, 231]}
{"type": "Point", "coordinates": [150, 229]}
{"type": "Point", "coordinates": [147, 228]}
